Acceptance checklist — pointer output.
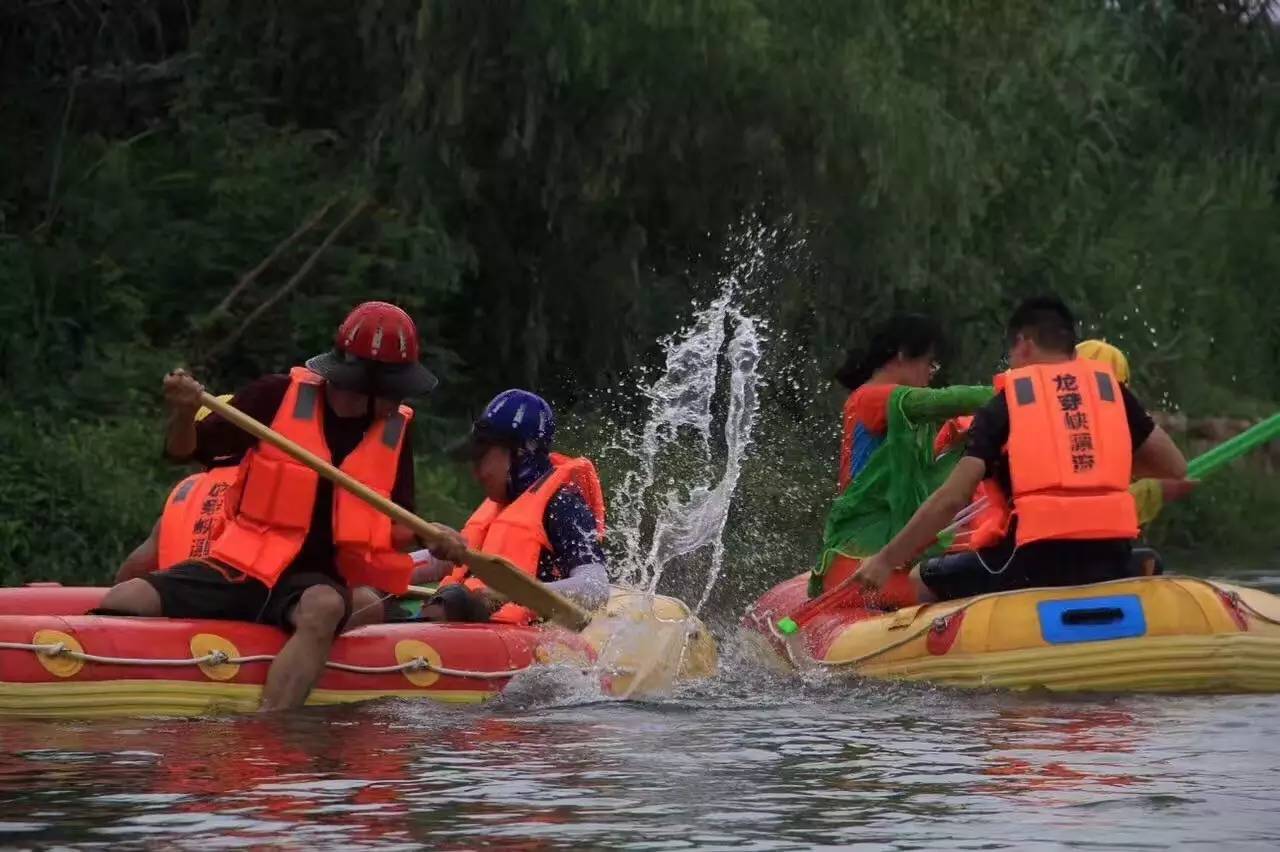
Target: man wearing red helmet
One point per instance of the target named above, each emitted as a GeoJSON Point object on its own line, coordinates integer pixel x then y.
{"type": "Point", "coordinates": [292, 548]}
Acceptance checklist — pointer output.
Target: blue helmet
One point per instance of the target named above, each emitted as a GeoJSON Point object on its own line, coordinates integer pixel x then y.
{"type": "Point", "coordinates": [519, 418]}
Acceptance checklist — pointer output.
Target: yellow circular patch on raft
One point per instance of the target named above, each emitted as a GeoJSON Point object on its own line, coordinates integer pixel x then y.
{"type": "Point", "coordinates": [203, 644]}
{"type": "Point", "coordinates": [408, 650]}
{"type": "Point", "coordinates": [59, 665]}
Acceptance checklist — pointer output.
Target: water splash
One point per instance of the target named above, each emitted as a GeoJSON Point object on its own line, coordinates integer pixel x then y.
{"type": "Point", "coordinates": [674, 502]}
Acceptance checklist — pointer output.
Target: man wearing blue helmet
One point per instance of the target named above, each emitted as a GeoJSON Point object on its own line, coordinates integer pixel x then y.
{"type": "Point", "coordinates": [543, 512]}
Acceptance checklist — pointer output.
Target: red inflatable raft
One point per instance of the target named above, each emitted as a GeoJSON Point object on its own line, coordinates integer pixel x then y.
{"type": "Point", "coordinates": [55, 661]}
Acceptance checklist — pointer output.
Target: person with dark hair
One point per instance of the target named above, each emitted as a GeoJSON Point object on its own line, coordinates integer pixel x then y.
{"type": "Point", "coordinates": [905, 350]}
{"type": "Point", "coordinates": [1059, 443]}
{"type": "Point", "coordinates": [887, 467]}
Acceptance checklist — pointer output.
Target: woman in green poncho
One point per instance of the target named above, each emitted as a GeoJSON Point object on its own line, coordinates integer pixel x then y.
{"type": "Point", "coordinates": [887, 461]}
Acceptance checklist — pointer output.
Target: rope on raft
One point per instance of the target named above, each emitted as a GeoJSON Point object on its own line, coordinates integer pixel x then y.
{"type": "Point", "coordinates": [217, 658]}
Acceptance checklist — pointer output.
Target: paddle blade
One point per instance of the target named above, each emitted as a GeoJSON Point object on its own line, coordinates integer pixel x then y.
{"type": "Point", "coordinates": [510, 582]}
{"type": "Point", "coordinates": [646, 644]}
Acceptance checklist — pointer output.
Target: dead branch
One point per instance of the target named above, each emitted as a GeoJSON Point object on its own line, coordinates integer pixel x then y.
{"type": "Point", "coordinates": [285, 244]}
{"type": "Point", "coordinates": [289, 286]}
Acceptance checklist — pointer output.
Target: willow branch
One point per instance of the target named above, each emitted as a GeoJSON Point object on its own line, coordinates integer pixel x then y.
{"type": "Point", "coordinates": [289, 286]}
{"type": "Point", "coordinates": [285, 244]}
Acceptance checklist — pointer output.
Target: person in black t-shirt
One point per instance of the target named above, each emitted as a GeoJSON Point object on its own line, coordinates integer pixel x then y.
{"type": "Point", "coordinates": [1041, 333]}
{"type": "Point", "coordinates": [264, 567]}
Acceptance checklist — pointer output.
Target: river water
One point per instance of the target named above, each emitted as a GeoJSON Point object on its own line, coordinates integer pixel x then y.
{"type": "Point", "coordinates": [749, 761]}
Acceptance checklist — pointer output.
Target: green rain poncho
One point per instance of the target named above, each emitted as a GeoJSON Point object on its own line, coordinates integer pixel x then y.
{"type": "Point", "coordinates": [898, 477]}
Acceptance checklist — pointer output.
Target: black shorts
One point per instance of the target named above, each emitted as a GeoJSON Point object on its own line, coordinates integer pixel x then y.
{"type": "Point", "coordinates": [1036, 565]}
{"type": "Point", "coordinates": [198, 589]}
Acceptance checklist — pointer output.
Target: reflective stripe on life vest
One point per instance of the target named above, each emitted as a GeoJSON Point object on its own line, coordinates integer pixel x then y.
{"type": "Point", "coordinates": [516, 531]}
{"type": "Point", "coordinates": [193, 516]}
{"type": "Point", "coordinates": [270, 511]}
{"type": "Point", "coordinates": [1070, 453]}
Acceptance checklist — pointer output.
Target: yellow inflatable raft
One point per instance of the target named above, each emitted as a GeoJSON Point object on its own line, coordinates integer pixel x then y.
{"type": "Point", "coordinates": [1148, 634]}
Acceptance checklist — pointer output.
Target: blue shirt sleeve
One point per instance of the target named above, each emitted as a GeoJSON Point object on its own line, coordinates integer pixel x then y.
{"type": "Point", "coordinates": [571, 529]}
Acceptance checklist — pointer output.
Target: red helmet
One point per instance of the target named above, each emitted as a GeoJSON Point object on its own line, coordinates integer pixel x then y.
{"type": "Point", "coordinates": [376, 351]}
{"type": "Point", "coordinates": [378, 331]}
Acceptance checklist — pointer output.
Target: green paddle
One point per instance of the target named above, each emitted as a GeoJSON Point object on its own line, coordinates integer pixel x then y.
{"type": "Point", "coordinates": [1234, 448]}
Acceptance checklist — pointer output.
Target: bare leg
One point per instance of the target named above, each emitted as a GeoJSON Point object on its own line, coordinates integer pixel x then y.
{"type": "Point", "coordinates": [134, 597]}
{"type": "Point", "coordinates": [298, 666]}
{"type": "Point", "coordinates": [366, 607]}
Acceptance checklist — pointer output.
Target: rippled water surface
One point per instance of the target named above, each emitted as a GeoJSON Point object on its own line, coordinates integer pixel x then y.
{"type": "Point", "coordinates": [748, 762]}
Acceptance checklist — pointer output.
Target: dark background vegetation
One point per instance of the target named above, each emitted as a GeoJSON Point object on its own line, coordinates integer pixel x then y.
{"type": "Point", "coordinates": [548, 185]}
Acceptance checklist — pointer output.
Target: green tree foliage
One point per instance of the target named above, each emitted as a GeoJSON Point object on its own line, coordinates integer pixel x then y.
{"type": "Point", "coordinates": [547, 185]}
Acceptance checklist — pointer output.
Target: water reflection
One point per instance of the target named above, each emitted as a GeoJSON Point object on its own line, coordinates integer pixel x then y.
{"type": "Point", "coordinates": [751, 761]}
{"type": "Point", "coordinates": [785, 768]}
{"type": "Point", "coordinates": [237, 778]}
{"type": "Point", "coordinates": [1060, 747]}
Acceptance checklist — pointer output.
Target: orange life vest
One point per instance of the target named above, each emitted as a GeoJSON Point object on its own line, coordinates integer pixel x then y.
{"type": "Point", "coordinates": [950, 431]}
{"type": "Point", "coordinates": [515, 531]}
{"type": "Point", "coordinates": [193, 516]}
{"type": "Point", "coordinates": [269, 510]}
{"type": "Point", "coordinates": [1070, 457]}
{"type": "Point", "coordinates": [988, 525]}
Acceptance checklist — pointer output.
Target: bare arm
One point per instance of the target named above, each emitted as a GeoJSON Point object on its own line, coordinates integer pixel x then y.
{"type": "Point", "coordinates": [432, 566]}
{"type": "Point", "coordinates": [1159, 458]}
{"type": "Point", "coordinates": [180, 435]}
{"type": "Point", "coordinates": [936, 513]}
{"type": "Point", "coordinates": [144, 559]}
{"type": "Point", "coordinates": [182, 399]}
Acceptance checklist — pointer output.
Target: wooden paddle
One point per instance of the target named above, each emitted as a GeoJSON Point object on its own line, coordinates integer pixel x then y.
{"type": "Point", "coordinates": [495, 572]}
